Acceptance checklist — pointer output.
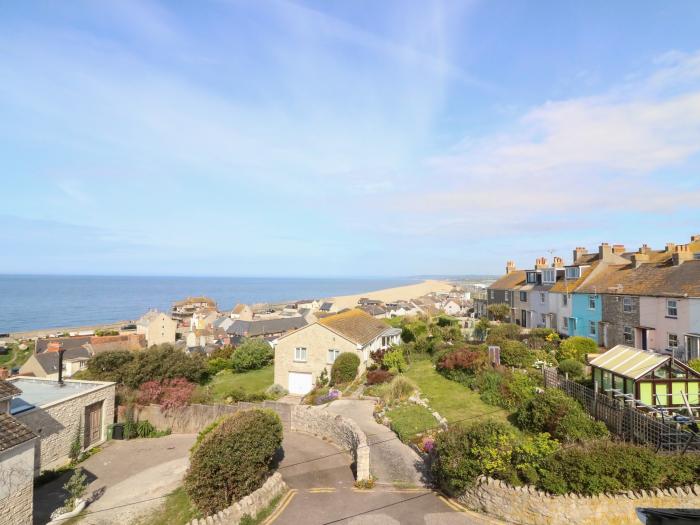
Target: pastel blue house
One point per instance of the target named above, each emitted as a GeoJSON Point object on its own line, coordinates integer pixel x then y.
{"type": "Point", "coordinates": [586, 315]}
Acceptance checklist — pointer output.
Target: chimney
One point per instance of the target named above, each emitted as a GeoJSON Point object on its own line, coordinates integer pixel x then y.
{"type": "Point", "coordinates": [578, 252]}
{"type": "Point", "coordinates": [510, 267]}
{"type": "Point", "coordinates": [641, 257]}
{"type": "Point", "coordinates": [53, 346]}
{"type": "Point", "coordinates": [682, 254]}
{"type": "Point", "coordinates": [540, 263]}
{"type": "Point", "coordinates": [670, 247]}
{"type": "Point", "coordinates": [605, 252]}
{"type": "Point", "coordinates": [694, 238]}
{"type": "Point", "coordinates": [618, 249]}
{"type": "Point", "coordinates": [60, 365]}
{"type": "Point", "coordinates": [558, 262]}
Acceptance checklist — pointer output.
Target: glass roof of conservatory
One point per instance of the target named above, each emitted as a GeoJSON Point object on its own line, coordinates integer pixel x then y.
{"type": "Point", "coordinates": [629, 362]}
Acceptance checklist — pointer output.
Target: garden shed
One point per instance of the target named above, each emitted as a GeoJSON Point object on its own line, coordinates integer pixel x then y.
{"type": "Point", "coordinates": [652, 378]}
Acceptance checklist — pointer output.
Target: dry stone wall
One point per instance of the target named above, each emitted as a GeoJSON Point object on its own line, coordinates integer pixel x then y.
{"type": "Point", "coordinates": [251, 505]}
{"type": "Point", "coordinates": [529, 506]}
{"type": "Point", "coordinates": [342, 431]}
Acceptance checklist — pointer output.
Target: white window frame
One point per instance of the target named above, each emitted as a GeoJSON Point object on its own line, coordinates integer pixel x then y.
{"type": "Point", "coordinates": [572, 324]}
{"type": "Point", "coordinates": [531, 277]}
{"type": "Point", "coordinates": [592, 328]}
{"type": "Point", "coordinates": [591, 298]}
{"type": "Point", "coordinates": [565, 299]}
{"type": "Point", "coordinates": [331, 357]}
{"type": "Point", "coordinates": [673, 315]}
{"type": "Point", "coordinates": [565, 323]}
{"type": "Point", "coordinates": [625, 331]}
{"type": "Point", "coordinates": [543, 297]}
{"type": "Point", "coordinates": [492, 294]}
{"type": "Point", "coordinates": [507, 295]}
{"type": "Point", "coordinates": [523, 294]}
{"type": "Point", "coordinates": [675, 345]}
{"type": "Point", "coordinates": [573, 272]}
{"type": "Point", "coordinates": [627, 306]}
{"type": "Point", "coordinates": [301, 354]}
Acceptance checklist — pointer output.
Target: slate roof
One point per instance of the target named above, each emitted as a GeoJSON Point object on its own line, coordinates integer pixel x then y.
{"type": "Point", "coordinates": [326, 306]}
{"type": "Point", "coordinates": [356, 325]}
{"type": "Point", "coordinates": [12, 432]}
{"type": "Point", "coordinates": [570, 285]}
{"type": "Point", "coordinates": [509, 281]}
{"type": "Point", "coordinates": [67, 343]}
{"type": "Point", "coordinates": [49, 360]}
{"type": "Point", "coordinates": [265, 326]}
{"type": "Point", "coordinates": [373, 309]}
{"type": "Point", "coordinates": [8, 390]}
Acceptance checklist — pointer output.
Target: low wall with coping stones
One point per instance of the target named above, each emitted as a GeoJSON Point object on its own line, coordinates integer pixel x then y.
{"type": "Point", "coordinates": [251, 505]}
{"type": "Point", "coordinates": [530, 506]}
{"type": "Point", "coordinates": [342, 431]}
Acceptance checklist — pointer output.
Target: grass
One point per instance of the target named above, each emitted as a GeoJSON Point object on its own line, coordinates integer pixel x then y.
{"type": "Point", "coordinates": [451, 400]}
{"type": "Point", "coordinates": [409, 420]}
{"type": "Point", "coordinates": [253, 382]}
{"type": "Point", "coordinates": [263, 514]}
{"type": "Point", "coordinates": [176, 510]}
{"type": "Point", "coordinates": [16, 357]}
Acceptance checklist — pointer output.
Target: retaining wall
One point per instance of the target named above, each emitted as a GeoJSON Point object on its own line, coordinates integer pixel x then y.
{"type": "Point", "coordinates": [529, 506]}
{"type": "Point", "coordinates": [338, 429]}
{"type": "Point", "coordinates": [251, 505]}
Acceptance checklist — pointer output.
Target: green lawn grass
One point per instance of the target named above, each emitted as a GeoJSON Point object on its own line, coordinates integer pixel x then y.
{"type": "Point", "coordinates": [409, 420]}
{"type": "Point", "coordinates": [16, 357]}
{"type": "Point", "coordinates": [176, 510]}
{"type": "Point", "coordinates": [452, 401]}
{"type": "Point", "coordinates": [255, 381]}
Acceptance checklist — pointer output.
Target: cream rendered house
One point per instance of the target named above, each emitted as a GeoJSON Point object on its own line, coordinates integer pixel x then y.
{"type": "Point", "coordinates": [302, 355]}
{"type": "Point", "coordinates": [157, 327]}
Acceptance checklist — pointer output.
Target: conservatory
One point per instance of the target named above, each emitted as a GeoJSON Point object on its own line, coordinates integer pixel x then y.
{"type": "Point", "coordinates": [649, 378]}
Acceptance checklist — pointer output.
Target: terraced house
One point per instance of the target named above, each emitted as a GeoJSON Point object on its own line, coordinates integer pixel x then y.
{"type": "Point", "coordinates": [647, 299]}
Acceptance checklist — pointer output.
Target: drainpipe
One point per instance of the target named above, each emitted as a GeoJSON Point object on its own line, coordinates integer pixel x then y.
{"type": "Point", "coordinates": [60, 366]}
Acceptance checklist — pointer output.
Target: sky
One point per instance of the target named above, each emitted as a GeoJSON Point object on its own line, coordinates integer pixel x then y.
{"type": "Point", "coordinates": [342, 138]}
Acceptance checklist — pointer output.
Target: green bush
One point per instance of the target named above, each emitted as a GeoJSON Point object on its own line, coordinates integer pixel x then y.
{"type": "Point", "coordinates": [217, 364]}
{"type": "Point", "coordinates": [504, 388]}
{"type": "Point", "coordinates": [345, 368]}
{"type": "Point", "coordinates": [233, 459]}
{"type": "Point", "coordinates": [576, 348]}
{"type": "Point", "coordinates": [394, 361]}
{"type": "Point", "coordinates": [572, 367]}
{"type": "Point", "coordinates": [517, 354]}
{"type": "Point", "coordinates": [252, 354]}
{"type": "Point", "coordinates": [499, 332]}
{"type": "Point", "coordinates": [559, 415]}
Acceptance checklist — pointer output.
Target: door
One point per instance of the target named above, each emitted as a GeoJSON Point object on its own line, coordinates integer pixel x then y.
{"type": "Point", "coordinates": [93, 424]}
{"type": "Point", "coordinates": [644, 339]}
{"type": "Point", "coordinates": [523, 318]}
{"type": "Point", "coordinates": [300, 383]}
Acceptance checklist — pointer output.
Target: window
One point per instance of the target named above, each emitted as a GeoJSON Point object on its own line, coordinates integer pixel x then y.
{"type": "Point", "coordinates": [627, 304]}
{"type": "Point", "coordinates": [523, 296]}
{"type": "Point", "coordinates": [544, 319]}
{"type": "Point", "coordinates": [671, 308]}
{"type": "Point", "coordinates": [591, 326]}
{"type": "Point", "coordinates": [491, 294]}
{"type": "Point", "coordinates": [572, 324]}
{"type": "Point", "coordinates": [507, 295]}
{"type": "Point", "coordinates": [542, 298]}
{"type": "Point", "coordinates": [531, 277]}
{"type": "Point", "coordinates": [300, 354]}
{"type": "Point", "coordinates": [591, 302]}
{"type": "Point", "coordinates": [672, 341]}
{"type": "Point", "coordinates": [565, 299]}
{"type": "Point", "coordinates": [549, 276]}
{"type": "Point", "coordinates": [332, 356]}
{"type": "Point", "coordinates": [573, 272]}
{"type": "Point", "coordinates": [565, 323]}
{"type": "Point", "coordinates": [627, 336]}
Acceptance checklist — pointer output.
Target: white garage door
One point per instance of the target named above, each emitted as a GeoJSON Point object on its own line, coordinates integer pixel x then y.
{"type": "Point", "coordinates": [299, 383]}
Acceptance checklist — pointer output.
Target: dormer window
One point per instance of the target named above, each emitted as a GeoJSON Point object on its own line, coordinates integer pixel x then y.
{"type": "Point", "coordinates": [573, 272]}
{"type": "Point", "coordinates": [549, 276]}
{"type": "Point", "coordinates": [531, 277]}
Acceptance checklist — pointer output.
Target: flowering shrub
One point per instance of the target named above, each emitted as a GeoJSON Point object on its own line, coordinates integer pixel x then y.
{"type": "Point", "coordinates": [428, 444]}
{"type": "Point", "coordinates": [332, 395]}
{"type": "Point", "coordinates": [170, 393]}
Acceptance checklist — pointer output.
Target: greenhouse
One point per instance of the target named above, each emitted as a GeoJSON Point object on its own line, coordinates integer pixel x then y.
{"type": "Point", "coordinates": [650, 378]}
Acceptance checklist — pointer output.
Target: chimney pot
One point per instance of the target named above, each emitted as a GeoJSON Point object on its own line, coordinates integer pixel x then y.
{"type": "Point", "coordinates": [510, 267]}
{"type": "Point", "coordinates": [557, 262]}
{"type": "Point", "coordinates": [670, 247]}
{"type": "Point", "coordinates": [682, 254]}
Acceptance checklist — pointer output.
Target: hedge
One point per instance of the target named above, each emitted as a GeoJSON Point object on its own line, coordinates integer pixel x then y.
{"type": "Point", "coordinates": [252, 354]}
{"type": "Point", "coordinates": [233, 459]}
{"type": "Point", "coordinates": [345, 368]}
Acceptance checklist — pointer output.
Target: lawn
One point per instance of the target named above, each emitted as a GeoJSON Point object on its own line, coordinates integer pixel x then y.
{"type": "Point", "coordinates": [16, 357]}
{"type": "Point", "coordinates": [409, 420]}
{"type": "Point", "coordinates": [253, 382]}
{"type": "Point", "coordinates": [176, 510]}
{"type": "Point", "coordinates": [452, 401]}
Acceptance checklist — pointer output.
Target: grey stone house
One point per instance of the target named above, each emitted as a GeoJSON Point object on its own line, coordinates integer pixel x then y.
{"type": "Point", "coordinates": [504, 289]}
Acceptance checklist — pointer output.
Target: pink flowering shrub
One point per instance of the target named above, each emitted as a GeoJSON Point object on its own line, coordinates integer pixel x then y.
{"type": "Point", "coordinates": [169, 393]}
{"type": "Point", "coordinates": [428, 444]}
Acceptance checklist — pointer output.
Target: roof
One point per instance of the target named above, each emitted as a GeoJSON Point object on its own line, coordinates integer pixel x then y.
{"type": "Point", "coordinates": [7, 390]}
{"type": "Point", "coordinates": [265, 326]}
{"type": "Point", "coordinates": [356, 325]}
{"type": "Point", "coordinates": [326, 306]}
{"type": "Point", "coordinates": [67, 343]}
{"type": "Point", "coordinates": [12, 432]}
{"type": "Point", "coordinates": [571, 285]}
{"type": "Point", "coordinates": [49, 360]}
{"type": "Point", "coordinates": [373, 309]}
{"type": "Point", "coordinates": [150, 316]}
{"type": "Point", "coordinates": [629, 362]}
{"type": "Point", "coordinates": [40, 392]}
{"type": "Point", "coordinates": [199, 299]}
{"type": "Point", "coordinates": [238, 308]}
{"type": "Point", "coordinates": [508, 281]}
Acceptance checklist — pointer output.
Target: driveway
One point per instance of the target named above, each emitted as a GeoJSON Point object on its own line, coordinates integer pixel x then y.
{"type": "Point", "coordinates": [391, 462]}
{"type": "Point", "coordinates": [127, 478]}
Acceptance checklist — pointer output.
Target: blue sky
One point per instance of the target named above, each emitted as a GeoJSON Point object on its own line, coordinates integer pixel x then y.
{"type": "Point", "coordinates": [342, 138]}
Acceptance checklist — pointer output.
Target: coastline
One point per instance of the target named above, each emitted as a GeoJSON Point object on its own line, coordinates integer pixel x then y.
{"type": "Point", "coordinates": [398, 293]}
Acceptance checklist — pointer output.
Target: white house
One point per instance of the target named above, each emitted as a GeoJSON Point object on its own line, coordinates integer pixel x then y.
{"type": "Point", "coordinates": [451, 307]}
{"type": "Point", "coordinates": [302, 355]}
{"type": "Point", "coordinates": [157, 327]}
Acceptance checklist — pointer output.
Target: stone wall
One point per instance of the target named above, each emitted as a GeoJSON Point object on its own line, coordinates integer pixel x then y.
{"type": "Point", "coordinates": [529, 506]}
{"type": "Point", "coordinates": [614, 314]}
{"type": "Point", "coordinates": [17, 484]}
{"type": "Point", "coordinates": [193, 418]}
{"type": "Point", "coordinates": [342, 431]}
{"type": "Point", "coordinates": [251, 505]}
{"type": "Point", "coordinates": [58, 423]}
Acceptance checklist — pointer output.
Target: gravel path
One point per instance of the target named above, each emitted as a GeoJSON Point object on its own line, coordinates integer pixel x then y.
{"type": "Point", "coordinates": [390, 460]}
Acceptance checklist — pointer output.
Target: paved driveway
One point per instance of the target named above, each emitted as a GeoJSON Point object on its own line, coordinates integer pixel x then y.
{"type": "Point", "coordinates": [128, 478]}
{"type": "Point", "coordinates": [390, 460]}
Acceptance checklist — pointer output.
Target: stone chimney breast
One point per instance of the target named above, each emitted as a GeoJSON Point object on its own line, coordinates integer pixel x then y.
{"type": "Point", "coordinates": [578, 252]}
{"type": "Point", "coordinates": [682, 254]}
{"type": "Point", "coordinates": [670, 247]}
{"type": "Point", "coordinates": [618, 249]}
{"type": "Point", "coordinates": [510, 267]}
{"type": "Point", "coordinates": [540, 263]}
{"type": "Point", "coordinates": [557, 262]}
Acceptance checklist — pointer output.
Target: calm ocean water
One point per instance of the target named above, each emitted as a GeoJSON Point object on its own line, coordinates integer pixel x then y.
{"type": "Point", "coordinates": [29, 302]}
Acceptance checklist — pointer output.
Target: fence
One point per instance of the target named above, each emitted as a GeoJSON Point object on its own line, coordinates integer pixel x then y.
{"type": "Point", "coordinates": [626, 422]}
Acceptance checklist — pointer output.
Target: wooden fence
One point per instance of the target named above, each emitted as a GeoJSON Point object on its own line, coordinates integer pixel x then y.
{"type": "Point", "coordinates": [625, 421]}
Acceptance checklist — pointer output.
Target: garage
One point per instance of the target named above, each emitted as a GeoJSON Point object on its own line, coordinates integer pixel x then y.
{"type": "Point", "coordinates": [300, 383]}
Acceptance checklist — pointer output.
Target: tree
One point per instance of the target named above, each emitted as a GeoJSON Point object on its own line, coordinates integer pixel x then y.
{"type": "Point", "coordinates": [345, 368]}
{"type": "Point", "coordinates": [499, 311]}
{"type": "Point", "coordinates": [576, 348]}
{"type": "Point", "coordinates": [253, 354]}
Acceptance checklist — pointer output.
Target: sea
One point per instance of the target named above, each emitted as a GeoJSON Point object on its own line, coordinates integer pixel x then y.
{"type": "Point", "coordinates": [32, 302]}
